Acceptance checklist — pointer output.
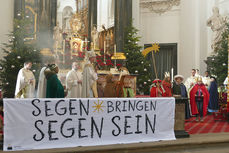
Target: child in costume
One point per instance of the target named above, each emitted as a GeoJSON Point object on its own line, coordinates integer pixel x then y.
{"type": "Point", "coordinates": [157, 89]}
{"type": "Point", "coordinates": [179, 90]}
{"type": "Point", "coordinates": [199, 98]}
{"type": "Point", "coordinates": [166, 83]}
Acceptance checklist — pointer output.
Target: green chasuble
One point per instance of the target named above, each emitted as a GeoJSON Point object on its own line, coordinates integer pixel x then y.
{"type": "Point", "coordinates": [54, 87]}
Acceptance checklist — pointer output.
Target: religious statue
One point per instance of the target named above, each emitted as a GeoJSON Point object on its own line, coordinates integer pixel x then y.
{"type": "Point", "coordinates": [217, 24]}
{"type": "Point", "coordinates": [57, 35]}
{"type": "Point", "coordinates": [75, 23]}
{"type": "Point", "coordinates": [67, 18]}
{"type": "Point", "coordinates": [95, 38]}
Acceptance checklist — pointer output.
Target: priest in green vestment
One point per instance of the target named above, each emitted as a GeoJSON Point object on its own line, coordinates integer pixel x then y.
{"type": "Point", "coordinates": [54, 88]}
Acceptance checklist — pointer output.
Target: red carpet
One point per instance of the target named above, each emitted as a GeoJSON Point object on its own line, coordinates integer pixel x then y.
{"type": "Point", "coordinates": [209, 125]}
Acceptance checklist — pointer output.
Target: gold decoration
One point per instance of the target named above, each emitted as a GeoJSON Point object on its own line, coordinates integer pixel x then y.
{"type": "Point", "coordinates": [28, 8]}
{"type": "Point", "coordinates": [155, 47]}
{"type": "Point", "coordinates": [46, 52]}
{"type": "Point", "coordinates": [118, 56]}
{"type": "Point", "coordinates": [76, 45]}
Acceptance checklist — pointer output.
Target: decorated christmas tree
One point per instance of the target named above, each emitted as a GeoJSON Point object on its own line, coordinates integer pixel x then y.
{"type": "Point", "coordinates": [217, 64]}
{"type": "Point", "coordinates": [20, 48]}
{"type": "Point", "coordinates": [136, 63]}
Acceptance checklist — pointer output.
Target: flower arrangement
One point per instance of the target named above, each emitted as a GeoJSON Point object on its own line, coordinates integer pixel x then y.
{"type": "Point", "coordinates": [80, 56]}
{"type": "Point", "coordinates": [104, 62]}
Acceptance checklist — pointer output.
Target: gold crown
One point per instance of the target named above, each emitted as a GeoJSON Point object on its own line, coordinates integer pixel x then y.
{"type": "Point", "coordinates": [199, 79]}
{"type": "Point", "coordinates": [167, 74]}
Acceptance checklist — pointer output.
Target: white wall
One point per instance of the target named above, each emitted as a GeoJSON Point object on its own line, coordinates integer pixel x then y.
{"type": "Point", "coordinates": [6, 21]}
{"type": "Point", "coordinates": [189, 37]}
{"type": "Point", "coordinates": [104, 15]}
{"type": "Point", "coordinates": [159, 28]}
{"type": "Point", "coordinates": [185, 25]}
{"type": "Point", "coordinates": [195, 36]}
{"type": "Point", "coordinates": [223, 6]}
{"type": "Point", "coordinates": [136, 14]}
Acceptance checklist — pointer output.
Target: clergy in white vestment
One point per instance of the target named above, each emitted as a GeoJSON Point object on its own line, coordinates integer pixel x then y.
{"type": "Point", "coordinates": [89, 84]}
{"type": "Point", "coordinates": [25, 85]}
{"type": "Point", "coordinates": [191, 81]}
{"type": "Point", "coordinates": [225, 82]}
{"type": "Point", "coordinates": [42, 83]}
{"type": "Point", "coordinates": [197, 74]}
{"type": "Point", "coordinates": [206, 79]}
{"type": "Point", "coordinates": [74, 81]}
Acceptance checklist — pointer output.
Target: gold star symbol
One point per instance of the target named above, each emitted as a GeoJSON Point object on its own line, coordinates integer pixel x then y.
{"type": "Point", "coordinates": [98, 106]}
{"type": "Point", "coordinates": [155, 47]}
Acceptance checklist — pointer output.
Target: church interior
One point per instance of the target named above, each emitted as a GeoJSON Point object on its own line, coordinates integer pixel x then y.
{"type": "Point", "coordinates": [64, 28]}
{"type": "Point", "coordinates": [131, 45]}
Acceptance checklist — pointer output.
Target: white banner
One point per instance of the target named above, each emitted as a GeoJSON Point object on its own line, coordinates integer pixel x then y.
{"type": "Point", "coordinates": [59, 123]}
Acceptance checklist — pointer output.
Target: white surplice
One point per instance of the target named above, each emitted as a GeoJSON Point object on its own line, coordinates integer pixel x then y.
{"type": "Point", "coordinates": [41, 90]}
{"type": "Point", "coordinates": [89, 84]}
{"type": "Point", "coordinates": [73, 87]}
{"type": "Point", "coordinates": [190, 82]}
{"type": "Point", "coordinates": [25, 89]}
{"type": "Point", "coordinates": [206, 81]}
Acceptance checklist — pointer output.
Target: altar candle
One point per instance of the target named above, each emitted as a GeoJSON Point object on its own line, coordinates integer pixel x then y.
{"type": "Point", "coordinates": [86, 44]}
{"type": "Point", "coordinates": [115, 49]}
{"type": "Point", "coordinates": [94, 46]}
{"type": "Point", "coordinates": [172, 74]}
{"type": "Point", "coordinates": [104, 50]}
{"type": "Point", "coordinates": [115, 55]}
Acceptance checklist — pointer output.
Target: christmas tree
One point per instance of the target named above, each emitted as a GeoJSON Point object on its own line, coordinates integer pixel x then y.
{"type": "Point", "coordinates": [21, 48]}
{"type": "Point", "coordinates": [136, 63]}
{"type": "Point", "coordinates": [217, 64]}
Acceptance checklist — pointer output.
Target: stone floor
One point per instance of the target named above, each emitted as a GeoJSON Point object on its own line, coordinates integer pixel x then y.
{"type": "Point", "coordinates": [202, 143]}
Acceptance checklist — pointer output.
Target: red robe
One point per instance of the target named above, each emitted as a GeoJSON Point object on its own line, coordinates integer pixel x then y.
{"type": "Point", "coordinates": [193, 99]}
{"type": "Point", "coordinates": [167, 87]}
{"type": "Point", "coordinates": [154, 92]}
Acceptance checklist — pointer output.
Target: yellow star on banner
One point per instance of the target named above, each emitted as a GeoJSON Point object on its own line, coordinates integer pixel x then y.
{"type": "Point", "coordinates": [155, 47]}
{"type": "Point", "coordinates": [98, 106]}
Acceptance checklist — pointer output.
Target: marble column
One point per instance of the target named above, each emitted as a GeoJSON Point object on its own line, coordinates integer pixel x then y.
{"type": "Point", "coordinates": [53, 13]}
{"type": "Point", "coordinates": [92, 16]}
{"type": "Point", "coordinates": [19, 7]}
{"type": "Point", "coordinates": [47, 12]}
{"type": "Point", "coordinates": [123, 18]}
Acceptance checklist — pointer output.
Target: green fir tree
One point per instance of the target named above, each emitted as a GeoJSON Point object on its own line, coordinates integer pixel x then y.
{"type": "Point", "coordinates": [19, 50]}
{"type": "Point", "coordinates": [136, 63]}
{"type": "Point", "coordinates": [217, 64]}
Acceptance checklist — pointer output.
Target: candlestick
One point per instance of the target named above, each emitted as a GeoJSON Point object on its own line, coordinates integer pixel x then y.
{"type": "Point", "coordinates": [115, 55]}
{"type": "Point", "coordinates": [115, 49]}
{"type": "Point", "coordinates": [172, 74]}
{"type": "Point", "coordinates": [104, 50]}
{"type": "Point", "coordinates": [85, 44]}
